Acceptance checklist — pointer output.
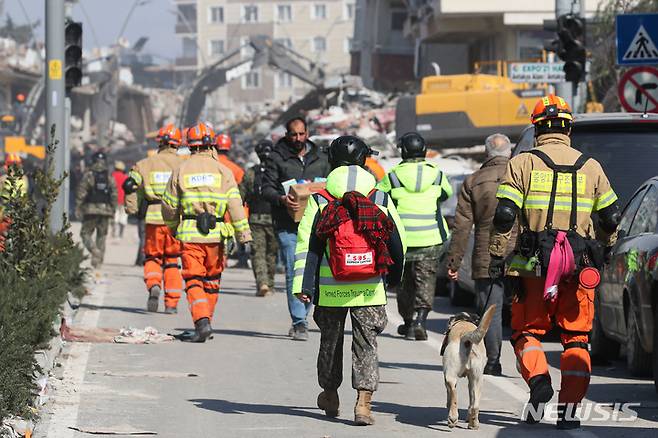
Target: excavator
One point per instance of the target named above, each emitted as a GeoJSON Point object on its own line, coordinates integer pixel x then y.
{"type": "Point", "coordinates": [462, 110]}
{"type": "Point", "coordinates": [265, 52]}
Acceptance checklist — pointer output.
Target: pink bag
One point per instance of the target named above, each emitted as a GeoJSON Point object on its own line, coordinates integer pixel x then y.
{"type": "Point", "coordinates": [560, 266]}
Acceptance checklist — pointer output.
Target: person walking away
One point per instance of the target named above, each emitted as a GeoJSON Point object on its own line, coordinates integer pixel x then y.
{"type": "Point", "coordinates": [352, 241]}
{"type": "Point", "coordinates": [417, 188]}
{"type": "Point", "coordinates": [475, 208]}
{"type": "Point", "coordinates": [120, 217]}
{"type": "Point", "coordinates": [265, 246]}
{"type": "Point", "coordinates": [145, 187]}
{"type": "Point", "coordinates": [298, 159]}
{"type": "Point", "coordinates": [195, 201]}
{"type": "Point", "coordinates": [95, 203]}
{"type": "Point", "coordinates": [554, 190]}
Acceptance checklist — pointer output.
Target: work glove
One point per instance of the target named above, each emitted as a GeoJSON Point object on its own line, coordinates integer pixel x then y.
{"type": "Point", "coordinates": [496, 267]}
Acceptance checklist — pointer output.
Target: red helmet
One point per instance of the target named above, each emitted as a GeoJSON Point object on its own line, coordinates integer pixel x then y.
{"type": "Point", "coordinates": [551, 107]}
{"type": "Point", "coordinates": [223, 142]}
{"type": "Point", "coordinates": [170, 135]}
{"type": "Point", "coordinates": [200, 135]}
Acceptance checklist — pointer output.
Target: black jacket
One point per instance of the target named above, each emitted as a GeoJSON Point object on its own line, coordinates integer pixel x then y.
{"type": "Point", "coordinates": [284, 164]}
{"type": "Point", "coordinates": [251, 190]}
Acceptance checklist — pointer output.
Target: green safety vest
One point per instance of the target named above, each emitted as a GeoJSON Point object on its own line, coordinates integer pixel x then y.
{"type": "Point", "coordinates": [331, 292]}
{"type": "Point", "coordinates": [417, 189]}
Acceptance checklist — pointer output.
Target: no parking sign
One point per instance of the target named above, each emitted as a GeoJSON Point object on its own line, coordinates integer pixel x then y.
{"type": "Point", "coordinates": [638, 90]}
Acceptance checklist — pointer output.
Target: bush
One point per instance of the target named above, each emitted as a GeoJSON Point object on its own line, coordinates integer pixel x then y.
{"type": "Point", "coordinates": [37, 270]}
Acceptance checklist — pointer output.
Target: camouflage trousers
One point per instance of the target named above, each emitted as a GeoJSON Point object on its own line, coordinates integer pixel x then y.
{"type": "Point", "coordinates": [264, 249]}
{"type": "Point", "coordinates": [367, 323]}
{"type": "Point", "coordinates": [418, 286]}
{"type": "Point", "coordinates": [96, 246]}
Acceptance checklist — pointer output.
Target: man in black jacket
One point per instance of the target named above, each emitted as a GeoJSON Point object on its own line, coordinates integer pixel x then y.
{"type": "Point", "coordinates": [294, 158]}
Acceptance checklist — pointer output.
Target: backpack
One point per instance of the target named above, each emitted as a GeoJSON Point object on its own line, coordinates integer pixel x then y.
{"type": "Point", "coordinates": [100, 190]}
{"type": "Point", "coordinates": [351, 257]}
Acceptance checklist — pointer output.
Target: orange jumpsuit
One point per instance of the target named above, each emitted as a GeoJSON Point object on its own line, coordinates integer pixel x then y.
{"type": "Point", "coordinates": [203, 185]}
{"type": "Point", "coordinates": [529, 184]}
{"type": "Point", "coordinates": [161, 249]}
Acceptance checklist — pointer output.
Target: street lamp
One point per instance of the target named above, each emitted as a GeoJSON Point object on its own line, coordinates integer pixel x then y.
{"type": "Point", "coordinates": [136, 3]}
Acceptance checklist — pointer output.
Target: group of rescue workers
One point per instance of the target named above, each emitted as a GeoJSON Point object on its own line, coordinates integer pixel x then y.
{"type": "Point", "coordinates": [367, 233]}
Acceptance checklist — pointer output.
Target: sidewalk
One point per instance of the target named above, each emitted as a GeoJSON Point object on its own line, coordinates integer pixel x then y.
{"type": "Point", "coordinates": [251, 380]}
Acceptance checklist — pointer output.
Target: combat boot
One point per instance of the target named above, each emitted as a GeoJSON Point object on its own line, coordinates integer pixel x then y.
{"type": "Point", "coordinates": [171, 310]}
{"type": "Point", "coordinates": [263, 291]}
{"type": "Point", "coordinates": [202, 331]}
{"type": "Point", "coordinates": [403, 329]}
{"type": "Point", "coordinates": [154, 298]}
{"type": "Point", "coordinates": [541, 393]}
{"type": "Point", "coordinates": [362, 414]}
{"type": "Point", "coordinates": [566, 416]}
{"type": "Point", "coordinates": [328, 402]}
{"type": "Point", "coordinates": [419, 330]}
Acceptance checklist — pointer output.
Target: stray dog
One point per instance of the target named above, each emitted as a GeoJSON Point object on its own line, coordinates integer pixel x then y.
{"type": "Point", "coordinates": [464, 355]}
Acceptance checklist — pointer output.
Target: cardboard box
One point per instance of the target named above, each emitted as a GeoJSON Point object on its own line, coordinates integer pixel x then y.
{"type": "Point", "coordinates": [301, 193]}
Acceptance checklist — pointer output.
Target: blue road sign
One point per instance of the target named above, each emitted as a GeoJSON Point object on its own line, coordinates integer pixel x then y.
{"type": "Point", "coordinates": [637, 39]}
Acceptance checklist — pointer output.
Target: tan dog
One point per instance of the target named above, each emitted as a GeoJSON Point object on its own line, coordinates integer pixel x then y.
{"type": "Point", "coordinates": [464, 355]}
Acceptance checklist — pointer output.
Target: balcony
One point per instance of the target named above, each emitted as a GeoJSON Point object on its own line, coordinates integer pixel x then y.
{"type": "Point", "coordinates": [183, 27]}
{"type": "Point", "coordinates": [186, 61]}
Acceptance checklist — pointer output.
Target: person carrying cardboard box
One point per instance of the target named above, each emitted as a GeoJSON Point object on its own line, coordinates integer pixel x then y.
{"type": "Point", "coordinates": [294, 160]}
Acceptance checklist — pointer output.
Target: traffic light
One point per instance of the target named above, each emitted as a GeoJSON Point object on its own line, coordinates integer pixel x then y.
{"type": "Point", "coordinates": [73, 54]}
{"type": "Point", "coordinates": [571, 31]}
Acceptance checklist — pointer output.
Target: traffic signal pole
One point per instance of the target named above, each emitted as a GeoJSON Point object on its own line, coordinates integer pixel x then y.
{"type": "Point", "coordinates": [568, 90]}
{"type": "Point", "coordinates": [55, 105]}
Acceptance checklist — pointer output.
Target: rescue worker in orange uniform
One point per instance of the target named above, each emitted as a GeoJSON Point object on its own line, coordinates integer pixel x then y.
{"type": "Point", "coordinates": [198, 195]}
{"type": "Point", "coordinates": [223, 145]}
{"type": "Point", "coordinates": [145, 185]}
{"type": "Point", "coordinates": [553, 191]}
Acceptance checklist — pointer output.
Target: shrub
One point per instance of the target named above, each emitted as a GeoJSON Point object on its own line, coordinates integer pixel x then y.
{"type": "Point", "coordinates": [37, 270]}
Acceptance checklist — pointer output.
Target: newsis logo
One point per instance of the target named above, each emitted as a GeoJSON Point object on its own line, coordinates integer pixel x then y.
{"type": "Point", "coordinates": [589, 412]}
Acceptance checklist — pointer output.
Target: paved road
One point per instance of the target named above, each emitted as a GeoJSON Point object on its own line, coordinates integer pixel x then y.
{"type": "Point", "coordinates": [251, 380]}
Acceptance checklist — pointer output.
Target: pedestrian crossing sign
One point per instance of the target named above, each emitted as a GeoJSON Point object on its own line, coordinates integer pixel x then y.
{"type": "Point", "coordinates": [637, 39]}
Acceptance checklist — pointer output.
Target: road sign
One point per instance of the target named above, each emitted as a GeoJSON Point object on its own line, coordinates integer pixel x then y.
{"type": "Point", "coordinates": [638, 89]}
{"type": "Point", "coordinates": [537, 72]}
{"type": "Point", "coordinates": [637, 39]}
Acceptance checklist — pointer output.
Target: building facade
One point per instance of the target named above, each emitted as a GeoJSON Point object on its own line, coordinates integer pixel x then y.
{"type": "Point", "coordinates": [450, 36]}
{"type": "Point", "coordinates": [319, 31]}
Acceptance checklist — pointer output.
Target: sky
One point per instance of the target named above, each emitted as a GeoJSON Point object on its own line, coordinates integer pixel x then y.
{"type": "Point", "coordinates": [104, 19]}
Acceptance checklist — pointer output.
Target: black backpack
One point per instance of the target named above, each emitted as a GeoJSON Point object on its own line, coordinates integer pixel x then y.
{"type": "Point", "coordinates": [100, 189]}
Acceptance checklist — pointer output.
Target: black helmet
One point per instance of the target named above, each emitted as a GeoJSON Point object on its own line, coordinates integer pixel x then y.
{"type": "Point", "coordinates": [412, 145]}
{"type": "Point", "coordinates": [348, 150]}
{"type": "Point", "coordinates": [99, 157]}
{"type": "Point", "coordinates": [264, 148]}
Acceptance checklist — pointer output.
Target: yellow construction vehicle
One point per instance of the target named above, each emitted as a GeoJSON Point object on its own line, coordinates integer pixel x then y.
{"type": "Point", "coordinates": [462, 110]}
{"type": "Point", "coordinates": [12, 143]}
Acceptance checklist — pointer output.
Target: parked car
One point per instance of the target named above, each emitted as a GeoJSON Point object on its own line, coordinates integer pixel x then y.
{"type": "Point", "coordinates": [626, 305]}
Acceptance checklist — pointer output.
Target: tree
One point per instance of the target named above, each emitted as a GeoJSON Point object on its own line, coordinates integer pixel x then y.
{"type": "Point", "coordinates": [604, 73]}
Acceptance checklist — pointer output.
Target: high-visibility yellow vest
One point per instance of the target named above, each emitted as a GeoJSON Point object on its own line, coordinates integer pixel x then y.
{"type": "Point", "coordinates": [417, 189]}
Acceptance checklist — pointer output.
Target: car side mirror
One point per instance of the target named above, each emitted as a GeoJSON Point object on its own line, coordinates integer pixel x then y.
{"type": "Point", "coordinates": [621, 234]}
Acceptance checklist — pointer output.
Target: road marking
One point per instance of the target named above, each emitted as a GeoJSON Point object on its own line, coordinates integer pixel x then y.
{"type": "Point", "coordinates": [66, 403]}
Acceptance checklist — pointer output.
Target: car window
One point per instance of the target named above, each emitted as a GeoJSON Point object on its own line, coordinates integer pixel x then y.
{"type": "Point", "coordinates": [646, 217]}
{"type": "Point", "coordinates": [629, 213]}
{"type": "Point", "coordinates": [526, 142]}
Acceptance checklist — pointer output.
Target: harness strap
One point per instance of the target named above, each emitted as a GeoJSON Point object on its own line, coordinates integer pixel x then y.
{"type": "Point", "coordinates": [570, 345]}
{"type": "Point", "coordinates": [192, 217]}
{"type": "Point", "coordinates": [513, 340]}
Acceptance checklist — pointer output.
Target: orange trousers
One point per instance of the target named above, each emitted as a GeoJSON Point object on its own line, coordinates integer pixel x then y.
{"type": "Point", "coordinates": [573, 312]}
{"type": "Point", "coordinates": [161, 263]}
{"type": "Point", "coordinates": [203, 264]}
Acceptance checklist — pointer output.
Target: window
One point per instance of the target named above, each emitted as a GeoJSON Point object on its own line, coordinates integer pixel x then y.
{"type": "Point", "coordinates": [246, 50]}
{"type": "Point", "coordinates": [397, 20]}
{"type": "Point", "coordinates": [629, 213]}
{"type": "Point", "coordinates": [319, 11]}
{"type": "Point", "coordinates": [251, 80]}
{"type": "Point", "coordinates": [319, 44]}
{"type": "Point", "coordinates": [348, 12]}
{"type": "Point", "coordinates": [216, 47]}
{"type": "Point", "coordinates": [250, 14]}
{"type": "Point", "coordinates": [349, 44]}
{"type": "Point", "coordinates": [647, 215]}
{"type": "Point", "coordinates": [216, 14]}
{"type": "Point", "coordinates": [284, 13]}
{"type": "Point", "coordinates": [286, 42]}
{"type": "Point", "coordinates": [284, 80]}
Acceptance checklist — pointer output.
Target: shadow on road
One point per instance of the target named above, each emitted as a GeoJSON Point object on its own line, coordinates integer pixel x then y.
{"type": "Point", "coordinates": [229, 407]}
{"type": "Point", "coordinates": [117, 308]}
{"type": "Point", "coordinates": [411, 366]}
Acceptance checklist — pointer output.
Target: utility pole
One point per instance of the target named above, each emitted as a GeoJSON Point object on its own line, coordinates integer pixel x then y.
{"type": "Point", "coordinates": [568, 90]}
{"type": "Point", "coordinates": [55, 96]}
